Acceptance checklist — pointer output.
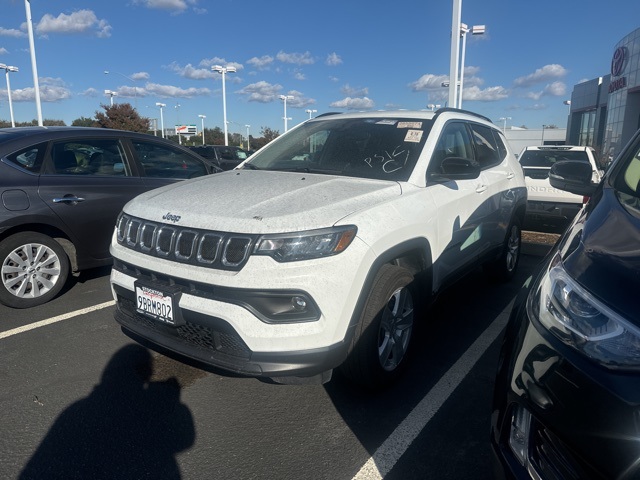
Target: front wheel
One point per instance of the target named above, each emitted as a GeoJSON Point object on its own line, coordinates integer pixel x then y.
{"type": "Point", "coordinates": [380, 347]}
{"type": "Point", "coordinates": [34, 269]}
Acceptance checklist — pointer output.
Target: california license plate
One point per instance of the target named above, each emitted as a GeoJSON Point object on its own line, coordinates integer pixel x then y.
{"type": "Point", "coordinates": [158, 303]}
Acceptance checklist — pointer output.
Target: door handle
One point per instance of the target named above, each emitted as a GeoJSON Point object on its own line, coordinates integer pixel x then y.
{"type": "Point", "coordinates": [510, 175]}
{"type": "Point", "coordinates": [481, 188]}
{"type": "Point", "coordinates": [68, 200]}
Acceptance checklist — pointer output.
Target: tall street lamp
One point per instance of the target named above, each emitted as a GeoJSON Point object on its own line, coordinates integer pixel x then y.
{"type": "Point", "coordinates": [248, 141]}
{"type": "Point", "coordinates": [223, 71]}
{"type": "Point", "coordinates": [311, 112]}
{"type": "Point", "coordinates": [111, 94]}
{"type": "Point", "coordinates": [284, 98]}
{"type": "Point", "coordinates": [135, 90]}
{"type": "Point", "coordinates": [475, 30]}
{"type": "Point", "coordinates": [7, 69]}
{"type": "Point", "coordinates": [34, 65]}
{"type": "Point", "coordinates": [504, 124]}
{"type": "Point", "coordinates": [202, 117]}
{"type": "Point", "coordinates": [161, 105]}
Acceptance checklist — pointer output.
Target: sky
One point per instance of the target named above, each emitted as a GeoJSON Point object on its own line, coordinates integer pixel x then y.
{"type": "Point", "coordinates": [330, 56]}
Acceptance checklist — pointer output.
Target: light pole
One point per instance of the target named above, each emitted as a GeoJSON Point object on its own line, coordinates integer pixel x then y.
{"type": "Point", "coordinates": [111, 94]}
{"type": "Point", "coordinates": [310, 112]}
{"type": "Point", "coordinates": [202, 117]}
{"type": "Point", "coordinates": [161, 105]}
{"type": "Point", "coordinates": [135, 90]}
{"type": "Point", "coordinates": [248, 141]}
{"type": "Point", "coordinates": [284, 98]}
{"type": "Point", "coordinates": [7, 69]}
{"type": "Point", "coordinates": [34, 66]}
{"type": "Point", "coordinates": [475, 30]}
{"type": "Point", "coordinates": [504, 125]}
{"type": "Point", "coordinates": [543, 127]}
{"type": "Point", "coordinates": [177, 107]}
{"type": "Point", "coordinates": [223, 71]}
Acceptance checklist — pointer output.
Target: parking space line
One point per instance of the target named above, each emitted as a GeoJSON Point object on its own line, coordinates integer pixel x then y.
{"type": "Point", "coordinates": [388, 454]}
{"type": "Point", "coordinates": [51, 320]}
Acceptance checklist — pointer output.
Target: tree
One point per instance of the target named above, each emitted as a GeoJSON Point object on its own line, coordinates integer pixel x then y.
{"type": "Point", "coordinates": [84, 122]}
{"type": "Point", "coordinates": [268, 134]}
{"type": "Point", "coordinates": [122, 116]}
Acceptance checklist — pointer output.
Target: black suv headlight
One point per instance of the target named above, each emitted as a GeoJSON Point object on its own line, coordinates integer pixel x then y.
{"type": "Point", "coordinates": [583, 322]}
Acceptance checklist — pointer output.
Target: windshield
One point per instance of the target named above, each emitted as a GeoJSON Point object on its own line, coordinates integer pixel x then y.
{"type": "Point", "coordinates": [546, 158]}
{"type": "Point", "coordinates": [362, 147]}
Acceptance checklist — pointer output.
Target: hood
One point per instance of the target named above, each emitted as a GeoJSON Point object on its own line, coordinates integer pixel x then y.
{"type": "Point", "coordinates": [606, 259]}
{"type": "Point", "coordinates": [247, 201]}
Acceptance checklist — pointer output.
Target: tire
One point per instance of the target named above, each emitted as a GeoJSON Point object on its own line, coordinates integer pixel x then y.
{"type": "Point", "coordinates": [504, 267]}
{"type": "Point", "coordinates": [380, 347]}
{"type": "Point", "coordinates": [33, 269]}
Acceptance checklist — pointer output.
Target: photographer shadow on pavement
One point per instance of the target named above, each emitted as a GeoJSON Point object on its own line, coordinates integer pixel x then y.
{"type": "Point", "coordinates": [128, 427]}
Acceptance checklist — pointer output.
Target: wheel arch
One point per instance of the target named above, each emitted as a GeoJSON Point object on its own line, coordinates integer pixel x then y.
{"type": "Point", "coordinates": [414, 255]}
{"type": "Point", "coordinates": [51, 231]}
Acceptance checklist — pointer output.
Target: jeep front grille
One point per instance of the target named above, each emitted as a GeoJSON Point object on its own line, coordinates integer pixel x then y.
{"type": "Point", "coordinates": [225, 251]}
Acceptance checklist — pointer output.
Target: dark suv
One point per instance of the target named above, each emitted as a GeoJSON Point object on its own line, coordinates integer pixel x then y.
{"type": "Point", "coordinates": [222, 156]}
{"type": "Point", "coordinates": [62, 189]}
{"type": "Point", "coordinates": [568, 387]}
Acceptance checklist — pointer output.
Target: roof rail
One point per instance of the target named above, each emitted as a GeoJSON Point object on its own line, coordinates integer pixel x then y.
{"type": "Point", "coordinates": [327, 113]}
{"type": "Point", "coordinates": [459, 110]}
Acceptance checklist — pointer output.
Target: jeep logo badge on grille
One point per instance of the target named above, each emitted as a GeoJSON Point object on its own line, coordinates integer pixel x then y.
{"type": "Point", "coordinates": [171, 218]}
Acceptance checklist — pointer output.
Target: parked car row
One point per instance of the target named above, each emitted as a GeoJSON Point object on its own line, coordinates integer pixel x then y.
{"type": "Point", "coordinates": [222, 156]}
{"type": "Point", "coordinates": [62, 189]}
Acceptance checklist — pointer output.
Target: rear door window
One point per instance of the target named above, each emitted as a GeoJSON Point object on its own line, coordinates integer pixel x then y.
{"type": "Point", "coordinates": [104, 157]}
{"type": "Point", "coordinates": [162, 161]}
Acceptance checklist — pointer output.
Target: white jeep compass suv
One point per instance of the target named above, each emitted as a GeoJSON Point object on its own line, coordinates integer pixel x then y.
{"type": "Point", "coordinates": [314, 253]}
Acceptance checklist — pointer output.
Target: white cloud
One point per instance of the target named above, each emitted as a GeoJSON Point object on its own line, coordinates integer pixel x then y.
{"type": "Point", "coordinates": [189, 71]}
{"type": "Point", "coordinates": [299, 76]}
{"type": "Point", "coordinates": [544, 74]}
{"type": "Point", "coordinates": [261, 92]}
{"type": "Point", "coordinates": [12, 32]}
{"type": "Point", "coordinates": [333, 59]}
{"type": "Point", "coordinates": [140, 76]}
{"type": "Point", "coordinates": [354, 103]}
{"type": "Point", "coordinates": [556, 89]}
{"type": "Point", "coordinates": [350, 91]}
{"type": "Point", "coordinates": [210, 62]}
{"type": "Point", "coordinates": [429, 82]}
{"type": "Point", "coordinates": [3, 51]}
{"type": "Point", "coordinates": [176, 6]}
{"type": "Point", "coordinates": [299, 100]}
{"type": "Point", "coordinates": [490, 94]}
{"type": "Point", "coordinates": [48, 93]}
{"type": "Point", "coordinates": [81, 21]}
{"type": "Point", "coordinates": [295, 58]}
{"type": "Point", "coordinates": [171, 91]}
{"type": "Point", "coordinates": [261, 63]}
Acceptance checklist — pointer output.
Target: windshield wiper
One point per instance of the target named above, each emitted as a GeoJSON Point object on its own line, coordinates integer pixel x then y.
{"type": "Point", "coordinates": [250, 166]}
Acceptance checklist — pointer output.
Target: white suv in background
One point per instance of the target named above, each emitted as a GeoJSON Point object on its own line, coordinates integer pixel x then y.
{"type": "Point", "coordinates": [550, 209]}
{"type": "Point", "coordinates": [314, 253]}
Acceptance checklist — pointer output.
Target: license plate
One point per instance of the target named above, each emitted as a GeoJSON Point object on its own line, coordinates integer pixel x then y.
{"type": "Point", "coordinates": [158, 303]}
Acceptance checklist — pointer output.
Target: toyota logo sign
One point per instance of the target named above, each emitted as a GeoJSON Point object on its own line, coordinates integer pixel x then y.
{"type": "Point", "coordinates": [618, 61]}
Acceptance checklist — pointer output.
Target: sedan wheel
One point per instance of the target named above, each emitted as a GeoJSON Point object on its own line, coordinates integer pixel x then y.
{"type": "Point", "coordinates": [34, 269]}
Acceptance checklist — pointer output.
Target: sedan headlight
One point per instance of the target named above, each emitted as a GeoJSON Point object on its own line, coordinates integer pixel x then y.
{"type": "Point", "coordinates": [581, 321]}
{"type": "Point", "coordinates": [291, 247]}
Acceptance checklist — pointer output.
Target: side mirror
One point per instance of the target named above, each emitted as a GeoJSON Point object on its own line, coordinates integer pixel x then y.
{"type": "Point", "coordinates": [572, 176]}
{"type": "Point", "coordinates": [456, 168]}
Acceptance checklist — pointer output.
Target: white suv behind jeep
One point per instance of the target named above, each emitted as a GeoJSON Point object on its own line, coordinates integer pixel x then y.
{"type": "Point", "coordinates": [550, 209]}
{"type": "Point", "coordinates": [314, 253]}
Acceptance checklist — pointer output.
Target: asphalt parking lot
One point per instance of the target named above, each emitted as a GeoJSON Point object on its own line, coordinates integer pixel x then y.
{"type": "Point", "coordinates": [81, 400]}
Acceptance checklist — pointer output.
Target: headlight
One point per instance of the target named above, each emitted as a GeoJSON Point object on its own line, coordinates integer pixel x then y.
{"type": "Point", "coordinates": [291, 247]}
{"type": "Point", "coordinates": [580, 320]}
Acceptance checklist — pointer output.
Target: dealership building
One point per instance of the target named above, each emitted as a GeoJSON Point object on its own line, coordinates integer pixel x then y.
{"type": "Point", "coordinates": [605, 111]}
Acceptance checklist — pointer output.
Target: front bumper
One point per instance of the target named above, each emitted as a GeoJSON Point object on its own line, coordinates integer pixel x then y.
{"type": "Point", "coordinates": [584, 419]}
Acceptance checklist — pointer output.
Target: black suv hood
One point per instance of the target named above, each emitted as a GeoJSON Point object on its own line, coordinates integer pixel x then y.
{"type": "Point", "coordinates": [602, 252]}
